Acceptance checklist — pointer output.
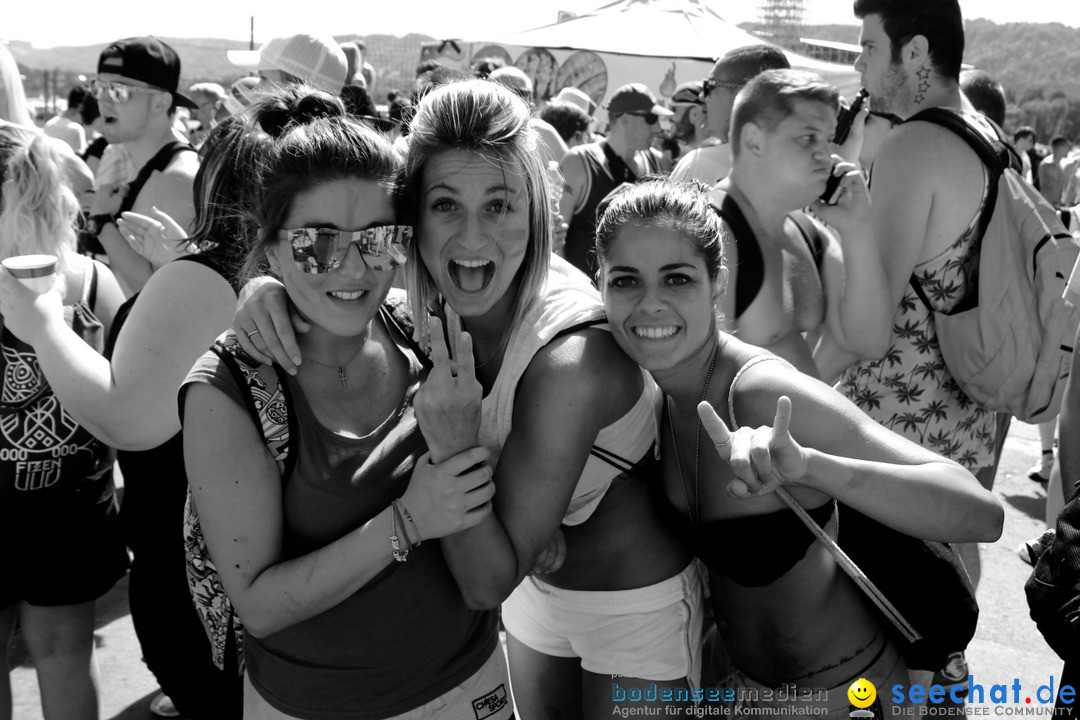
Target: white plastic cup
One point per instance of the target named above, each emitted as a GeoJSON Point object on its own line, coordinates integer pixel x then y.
{"type": "Point", "coordinates": [37, 272]}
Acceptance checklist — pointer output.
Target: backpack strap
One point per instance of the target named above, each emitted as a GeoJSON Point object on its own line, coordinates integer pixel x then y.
{"type": "Point", "coordinates": [89, 290]}
{"type": "Point", "coordinates": [751, 261]}
{"type": "Point", "coordinates": [396, 312]}
{"type": "Point", "coordinates": [813, 236]}
{"type": "Point", "coordinates": [996, 159]}
{"type": "Point", "coordinates": [159, 162]}
{"type": "Point", "coordinates": [265, 381]}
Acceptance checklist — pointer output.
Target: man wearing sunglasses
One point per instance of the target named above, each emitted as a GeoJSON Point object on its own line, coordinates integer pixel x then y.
{"type": "Point", "coordinates": [712, 161]}
{"type": "Point", "coordinates": [595, 169]}
{"type": "Point", "coordinates": [137, 97]}
{"type": "Point", "coordinates": [688, 123]}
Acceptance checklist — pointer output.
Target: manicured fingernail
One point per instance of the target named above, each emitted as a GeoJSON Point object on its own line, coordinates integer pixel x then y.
{"type": "Point", "coordinates": [296, 359]}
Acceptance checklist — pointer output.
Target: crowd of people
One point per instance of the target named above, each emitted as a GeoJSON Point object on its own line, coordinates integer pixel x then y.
{"type": "Point", "coordinates": [479, 366]}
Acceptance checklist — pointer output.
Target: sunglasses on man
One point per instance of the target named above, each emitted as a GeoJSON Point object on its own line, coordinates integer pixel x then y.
{"type": "Point", "coordinates": [117, 92]}
{"type": "Point", "coordinates": [708, 85]}
{"type": "Point", "coordinates": [321, 250]}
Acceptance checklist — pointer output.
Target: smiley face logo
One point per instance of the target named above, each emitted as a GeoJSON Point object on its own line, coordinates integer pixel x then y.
{"type": "Point", "coordinates": [862, 693]}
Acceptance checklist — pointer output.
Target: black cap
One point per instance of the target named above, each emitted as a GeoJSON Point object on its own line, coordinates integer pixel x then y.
{"type": "Point", "coordinates": [147, 60]}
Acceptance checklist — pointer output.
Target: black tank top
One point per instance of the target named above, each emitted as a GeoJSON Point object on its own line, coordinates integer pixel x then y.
{"type": "Point", "coordinates": [155, 480]}
{"type": "Point", "coordinates": [604, 171]}
{"type": "Point", "coordinates": [45, 456]}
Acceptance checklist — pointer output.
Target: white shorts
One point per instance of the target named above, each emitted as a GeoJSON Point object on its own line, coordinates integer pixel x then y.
{"type": "Point", "coordinates": [652, 633]}
{"type": "Point", "coordinates": [484, 696]}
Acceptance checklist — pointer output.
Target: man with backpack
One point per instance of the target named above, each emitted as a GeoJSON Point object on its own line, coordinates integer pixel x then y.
{"type": "Point", "coordinates": [929, 188]}
{"type": "Point", "coordinates": [136, 90]}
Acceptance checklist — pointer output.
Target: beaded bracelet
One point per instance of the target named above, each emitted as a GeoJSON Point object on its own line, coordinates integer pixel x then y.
{"type": "Point", "coordinates": [400, 505]}
{"type": "Point", "coordinates": [395, 544]}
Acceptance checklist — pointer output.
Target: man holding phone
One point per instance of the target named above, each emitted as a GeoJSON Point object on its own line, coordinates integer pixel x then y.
{"type": "Point", "coordinates": [783, 264]}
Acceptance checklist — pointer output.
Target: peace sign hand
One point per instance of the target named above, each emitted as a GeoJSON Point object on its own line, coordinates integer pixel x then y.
{"type": "Point", "coordinates": [762, 458]}
{"type": "Point", "coordinates": [448, 404]}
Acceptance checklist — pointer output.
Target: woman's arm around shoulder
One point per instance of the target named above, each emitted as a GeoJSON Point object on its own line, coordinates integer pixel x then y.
{"type": "Point", "coordinates": [851, 457]}
{"type": "Point", "coordinates": [573, 388]}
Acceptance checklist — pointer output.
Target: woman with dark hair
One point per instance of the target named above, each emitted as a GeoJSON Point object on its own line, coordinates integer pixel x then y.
{"type": "Point", "coordinates": [789, 616]}
{"type": "Point", "coordinates": [348, 605]}
{"type": "Point", "coordinates": [596, 582]}
{"type": "Point", "coordinates": [127, 400]}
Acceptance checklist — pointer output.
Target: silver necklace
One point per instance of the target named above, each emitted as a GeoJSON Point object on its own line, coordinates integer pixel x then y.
{"type": "Point", "coordinates": [340, 367]}
{"type": "Point", "coordinates": [695, 514]}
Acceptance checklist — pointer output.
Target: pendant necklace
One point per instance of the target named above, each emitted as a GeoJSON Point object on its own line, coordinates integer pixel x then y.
{"type": "Point", "coordinates": [342, 377]}
{"type": "Point", "coordinates": [695, 512]}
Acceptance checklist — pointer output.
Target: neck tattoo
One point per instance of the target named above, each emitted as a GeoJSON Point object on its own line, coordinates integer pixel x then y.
{"type": "Point", "coordinates": [340, 367]}
{"type": "Point", "coordinates": [923, 74]}
{"type": "Point", "coordinates": [695, 511]}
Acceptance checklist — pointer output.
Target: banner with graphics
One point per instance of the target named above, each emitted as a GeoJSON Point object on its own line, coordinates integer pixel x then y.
{"type": "Point", "coordinates": [597, 74]}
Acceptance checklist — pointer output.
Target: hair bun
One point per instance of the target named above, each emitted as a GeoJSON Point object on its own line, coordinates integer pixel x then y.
{"type": "Point", "coordinates": [295, 105]}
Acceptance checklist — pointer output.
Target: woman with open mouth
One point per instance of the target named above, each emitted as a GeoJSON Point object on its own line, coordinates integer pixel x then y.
{"type": "Point", "coordinates": [595, 581]}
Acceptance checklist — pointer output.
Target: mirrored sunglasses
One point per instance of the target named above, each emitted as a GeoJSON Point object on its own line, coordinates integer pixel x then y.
{"type": "Point", "coordinates": [117, 92]}
{"type": "Point", "coordinates": [708, 85]}
{"type": "Point", "coordinates": [650, 118]}
{"type": "Point", "coordinates": [321, 250]}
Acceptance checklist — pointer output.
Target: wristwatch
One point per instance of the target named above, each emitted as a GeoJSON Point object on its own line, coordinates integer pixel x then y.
{"type": "Point", "coordinates": [96, 223]}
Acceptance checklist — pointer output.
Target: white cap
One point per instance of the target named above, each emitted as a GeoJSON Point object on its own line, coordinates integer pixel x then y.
{"type": "Point", "coordinates": [576, 97]}
{"type": "Point", "coordinates": [315, 59]}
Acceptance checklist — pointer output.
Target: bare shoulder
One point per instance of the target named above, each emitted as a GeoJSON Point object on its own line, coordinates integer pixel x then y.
{"type": "Point", "coordinates": [588, 368]}
{"type": "Point", "coordinates": [764, 378]}
{"type": "Point", "coordinates": [934, 152]}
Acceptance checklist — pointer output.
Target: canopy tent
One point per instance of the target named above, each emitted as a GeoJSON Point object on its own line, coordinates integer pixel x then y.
{"type": "Point", "coordinates": [657, 42]}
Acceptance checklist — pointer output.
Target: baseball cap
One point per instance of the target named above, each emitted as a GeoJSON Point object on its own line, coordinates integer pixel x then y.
{"type": "Point", "coordinates": [688, 92]}
{"type": "Point", "coordinates": [315, 59]}
{"type": "Point", "coordinates": [145, 59]}
{"type": "Point", "coordinates": [574, 96]}
{"type": "Point", "coordinates": [242, 94]}
{"type": "Point", "coordinates": [635, 98]}
{"type": "Point", "coordinates": [513, 78]}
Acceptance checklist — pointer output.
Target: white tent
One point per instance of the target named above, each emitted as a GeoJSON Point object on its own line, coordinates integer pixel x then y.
{"type": "Point", "coordinates": [658, 42]}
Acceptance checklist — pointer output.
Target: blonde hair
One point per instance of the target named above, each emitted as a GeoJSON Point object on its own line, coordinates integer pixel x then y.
{"type": "Point", "coordinates": [37, 207]}
{"type": "Point", "coordinates": [483, 117]}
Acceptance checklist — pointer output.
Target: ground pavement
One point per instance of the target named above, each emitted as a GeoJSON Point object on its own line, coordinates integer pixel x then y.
{"type": "Point", "coordinates": [1006, 647]}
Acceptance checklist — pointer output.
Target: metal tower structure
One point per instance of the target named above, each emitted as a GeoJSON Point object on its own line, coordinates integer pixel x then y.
{"type": "Point", "coordinates": [781, 20]}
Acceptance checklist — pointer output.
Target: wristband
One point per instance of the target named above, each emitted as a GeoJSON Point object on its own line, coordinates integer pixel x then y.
{"type": "Point", "coordinates": [399, 505]}
{"type": "Point", "coordinates": [401, 555]}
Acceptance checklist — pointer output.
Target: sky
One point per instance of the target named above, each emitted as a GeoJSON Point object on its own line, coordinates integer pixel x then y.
{"type": "Point", "coordinates": [74, 22]}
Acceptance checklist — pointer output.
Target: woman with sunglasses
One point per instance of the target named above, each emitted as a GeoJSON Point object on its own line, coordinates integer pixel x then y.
{"type": "Point", "coordinates": [128, 401]}
{"type": "Point", "coordinates": [60, 545]}
{"type": "Point", "coordinates": [596, 583]}
{"type": "Point", "coordinates": [349, 607]}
